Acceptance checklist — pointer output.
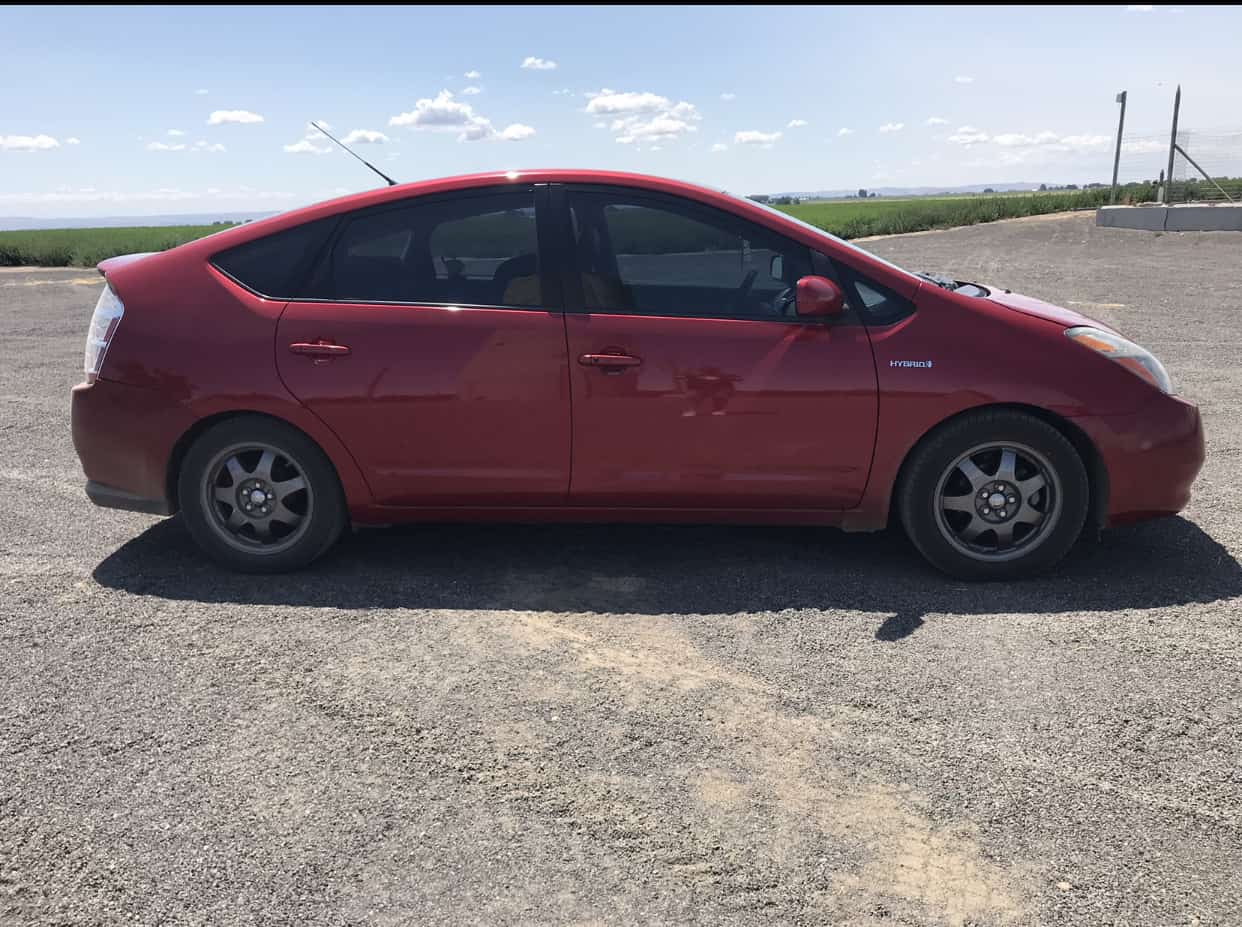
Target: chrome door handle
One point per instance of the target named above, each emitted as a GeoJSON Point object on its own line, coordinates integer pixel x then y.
{"type": "Point", "coordinates": [609, 360]}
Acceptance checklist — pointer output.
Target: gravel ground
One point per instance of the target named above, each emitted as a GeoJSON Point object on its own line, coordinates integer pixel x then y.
{"type": "Point", "coordinates": [602, 725]}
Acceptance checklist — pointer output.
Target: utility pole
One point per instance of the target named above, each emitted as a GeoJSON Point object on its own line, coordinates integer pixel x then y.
{"type": "Point", "coordinates": [1168, 175]}
{"type": "Point", "coordinates": [1121, 124]}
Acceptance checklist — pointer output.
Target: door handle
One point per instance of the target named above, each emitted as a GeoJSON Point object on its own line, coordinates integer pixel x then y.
{"type": "Point", "coordinates": [319, 348]}
{"type": "Point", "coordinates": [609, 360]}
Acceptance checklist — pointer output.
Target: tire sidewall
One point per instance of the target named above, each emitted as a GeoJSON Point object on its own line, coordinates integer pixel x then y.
{"type": "Point", "coordinates": [919, 499]}
{"type": "Point", "coordinates": [327, 518]}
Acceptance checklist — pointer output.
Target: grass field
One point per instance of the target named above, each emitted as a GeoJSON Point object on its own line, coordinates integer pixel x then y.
{"type": "Point", "coordinates": [846, 218]}
{"type": "Point", "coordinates": [87, 247]}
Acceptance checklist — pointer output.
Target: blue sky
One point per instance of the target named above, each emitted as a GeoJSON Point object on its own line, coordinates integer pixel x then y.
{"type": "Point", "coordinates": [132, 111]}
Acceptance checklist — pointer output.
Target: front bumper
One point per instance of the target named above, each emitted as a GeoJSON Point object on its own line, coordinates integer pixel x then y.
{"type": "Point", "coordinates": [124, 436]}
{"type": "Point", "coordinates": [1151, 456]}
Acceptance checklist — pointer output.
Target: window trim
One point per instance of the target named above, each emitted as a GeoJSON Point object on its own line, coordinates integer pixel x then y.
{"type": "Point", "coordinates": [575, 300]}
{"type": "Point", "coordinates": [549, 284]}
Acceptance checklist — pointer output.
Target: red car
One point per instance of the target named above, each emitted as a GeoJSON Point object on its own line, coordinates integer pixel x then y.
{"type": "Point", "coordinates": [583, 345]}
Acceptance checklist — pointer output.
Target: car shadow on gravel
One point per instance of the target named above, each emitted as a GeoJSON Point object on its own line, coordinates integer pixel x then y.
{"type": "Point", "coordinates": [682, 570]}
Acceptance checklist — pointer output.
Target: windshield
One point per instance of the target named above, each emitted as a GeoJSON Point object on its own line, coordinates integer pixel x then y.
{"type": "Point", "coordinates": [815, 228]}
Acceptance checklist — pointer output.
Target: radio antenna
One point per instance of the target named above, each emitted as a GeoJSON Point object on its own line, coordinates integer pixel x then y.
{"type": "Point", "coordinates": [391, 182]}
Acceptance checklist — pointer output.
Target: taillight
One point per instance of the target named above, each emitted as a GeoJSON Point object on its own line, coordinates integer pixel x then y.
{"type": "Point", "coordinates": [107, 317]}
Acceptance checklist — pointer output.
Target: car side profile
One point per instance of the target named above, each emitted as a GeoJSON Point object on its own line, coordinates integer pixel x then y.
{"type": "Point", "coordinates": [585, 345]}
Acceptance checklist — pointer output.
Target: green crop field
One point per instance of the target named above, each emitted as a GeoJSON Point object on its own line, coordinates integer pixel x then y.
{"type": "Point", "coordinates": [852, 218]}
{"type": "Point", "coordinates": [87, 247]}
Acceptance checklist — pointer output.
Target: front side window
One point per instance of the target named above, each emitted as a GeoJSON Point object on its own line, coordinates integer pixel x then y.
{"type": "Point", "coordinates": [476, 250]}
{"type": "Point", "coordinates": [657, 256]}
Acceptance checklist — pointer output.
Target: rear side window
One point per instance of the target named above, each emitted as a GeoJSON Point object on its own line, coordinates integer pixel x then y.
{"type": "Point", "coordinates": [275, 265]}
{"type": "Point", "coordinates": [474, 250]}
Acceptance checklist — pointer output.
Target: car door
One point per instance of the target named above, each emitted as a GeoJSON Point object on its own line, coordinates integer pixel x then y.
{"type": "Point", "coordinates": [431, 340]}
{"type": "Point", "coordinates": [694, 383]}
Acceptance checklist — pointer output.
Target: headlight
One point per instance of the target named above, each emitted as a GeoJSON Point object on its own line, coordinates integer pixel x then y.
{"type": "Point", "coordinates": [107, 317]}
{"type": "Point", "coordinates": [1137, 360]}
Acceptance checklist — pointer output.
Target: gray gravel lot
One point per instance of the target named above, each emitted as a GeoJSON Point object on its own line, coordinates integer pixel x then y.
{"type": "Point", "coordinates": [603, 725]}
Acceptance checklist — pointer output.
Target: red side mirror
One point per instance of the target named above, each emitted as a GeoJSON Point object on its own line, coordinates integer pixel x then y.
{"type": "Point", "coordinates": [819, 296]}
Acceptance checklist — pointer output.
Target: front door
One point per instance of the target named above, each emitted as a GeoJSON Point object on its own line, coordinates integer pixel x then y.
{"type": "Point", "coordinates": [433, 348]}
{"type": "Point", "coordinates": [694, 383]}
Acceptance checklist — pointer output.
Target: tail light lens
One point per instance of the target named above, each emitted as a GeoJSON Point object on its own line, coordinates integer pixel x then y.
{"type": "Point", "coordinates": [108, 312]}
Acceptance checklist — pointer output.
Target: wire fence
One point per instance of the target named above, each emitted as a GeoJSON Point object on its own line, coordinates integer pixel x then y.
{"type": "Point", "coordinates": [1207, 167]}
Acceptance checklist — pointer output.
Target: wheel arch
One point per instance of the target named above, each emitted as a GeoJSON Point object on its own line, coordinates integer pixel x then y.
{"type": "Point", "coordinates": [1093, 462]}
{"type": "Point", "coordinates": [176, 459]}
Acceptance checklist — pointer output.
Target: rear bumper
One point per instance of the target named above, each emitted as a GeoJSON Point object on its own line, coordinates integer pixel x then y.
{"type": "Point", "coordinates": [110, 498]}
{"type": "Point", "coordinates": [1152, 458]}
{"type": "Point", "coordinates": [124, 436]}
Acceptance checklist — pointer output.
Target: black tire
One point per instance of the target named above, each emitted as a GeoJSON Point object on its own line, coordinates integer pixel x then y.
{"type": "Point", "coordinates": [206, 483]}
{"type": "Point", "coordinates": [942, 505]}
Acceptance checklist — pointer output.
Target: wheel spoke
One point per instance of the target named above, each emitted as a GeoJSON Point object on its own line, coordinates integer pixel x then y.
{"type": "Point", "coordinates": [976, 527]}
{"type": "Point", "coordinates": [263, 469]}
{"type": "Point", "coordinates": [285, 515]}
{"type": "Point", "coordinates": [226, 494]}
{"type": "Point", "coordinates": [1033, 485]}
{"type": "Point", "coordinates": [237, 520]}
{"type": "Point", "coordinates": [1029, 515]}
{"type": "Point", "coordinates": [1004, 535]}
{"type": "Point", "coordinates": [233, 465]}
{"type": "Point", "coordinates": [958, 503]}
{"type": "Point", "coordinates": [288, 487]}
{"type": "Point", "coordinates": [263, 529]}
{"type": "Point", "coordinates": [976, 476]}
{"type": "Point", "coordinates": [1007, 470]}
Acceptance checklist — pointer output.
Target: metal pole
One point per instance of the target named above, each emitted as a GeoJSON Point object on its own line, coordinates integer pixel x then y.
{"type": "Point", "coordinates": [1121, 124]}
{"type": "Point", "coordinates": [1203, 172]}
{"type": "Point", "coordinates": [1177, 104]}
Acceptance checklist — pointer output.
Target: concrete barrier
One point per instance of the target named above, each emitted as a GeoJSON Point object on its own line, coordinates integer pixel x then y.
{"type": "Point", "coordinates": [1186, 217]}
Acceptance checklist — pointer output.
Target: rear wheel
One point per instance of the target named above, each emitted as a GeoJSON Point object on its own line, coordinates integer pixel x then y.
{"type": "Point", "coordinates": [995, 495]}
{"type": "Point", "coordinates": [259, 496]}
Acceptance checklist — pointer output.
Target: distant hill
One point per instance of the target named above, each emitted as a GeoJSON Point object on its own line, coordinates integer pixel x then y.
{"type": "Point", "coordinates": [1023, 186]}
{"type": "Point", "coordinates": [19, 223]}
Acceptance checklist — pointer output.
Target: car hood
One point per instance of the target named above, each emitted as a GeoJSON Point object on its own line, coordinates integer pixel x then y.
{"type": "Point", "coordinates": [1028, 305]}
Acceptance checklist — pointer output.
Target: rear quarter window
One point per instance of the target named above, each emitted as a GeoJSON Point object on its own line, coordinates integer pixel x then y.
{"type": "Point", "coordinates": [275, 265]}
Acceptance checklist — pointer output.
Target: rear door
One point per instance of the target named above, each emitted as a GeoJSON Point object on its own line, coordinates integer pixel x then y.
{"type": "Point", "coordinates": [431, 340]}
{"type": "Point", "coordinates": [695, 384]}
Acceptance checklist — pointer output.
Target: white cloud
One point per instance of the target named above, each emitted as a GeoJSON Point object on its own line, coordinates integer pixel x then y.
{"type": "Point", "coordinates": [843, 132]}
{"type": "Point", "coordinates": [643, 117]}
{"type": "Point", "coordinates": [754, 137]}
{"type": "Point", "coordinates": [963, 80]}
{"type": "Point", "coordinates": [365, 137]}
{"type": "Point", "coordinates": [175, 132]}
{"type": "Point", "coordinates": [471, 91]}
{"type": "Point", "coordinates": [473, 75]}
{"type": "Point", "coordinates": [312, 132]}
{"type": "Point", "coordinates": [202, 145]}
{"type": "Point", "coordinates": [71, 140]}
{"type": "Point", "coordinates": [892, 127]}
{"type": "Point", "coordinates": [1084, 141]}
{"type": "Point", "coordinates": [307, 146]}
{"type": "Point", "coordinates": [563, 92]}
{"type": "Point", "coordinates": [796, 124]}
{"type": "Point", "coordinates": [531, 63]}
{"type": "Point", "coordinates": [936, 121]}
{"type": "Point", "coordinates": [968, 135]}
{"type": "Point", "coordinates": [720, 146]}
{"type": "Point", "coordinates": [236, 116]}
{"type": "Point", "coordinates": [200, 92]}
{"type": "Point", "coordinates": [600, 125]}
{"type": "Point", "coordinates": [1139, 8]}
{"type": "Point", "coordinates": [444, 114]}
{"type": "Point", "coordinates": [162, 146]}
{"type": "Point", "coordinates": [728, 96]}
{"type": "Point", "coordinates": [516, 132]}
{"type": "Point", "coordinates": [27, 142]}
{"type": "Point", "coordinates": [610, 102]}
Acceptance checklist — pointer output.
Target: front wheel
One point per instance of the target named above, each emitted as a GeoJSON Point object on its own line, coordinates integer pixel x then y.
{"type": "Point", "coordinates": [995, 495]}
{"type": "Point", "coordinates": [259, 496]}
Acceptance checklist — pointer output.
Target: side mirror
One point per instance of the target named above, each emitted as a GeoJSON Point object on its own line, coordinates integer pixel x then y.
{"type": "Point", "coordinates": [819, 296]}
